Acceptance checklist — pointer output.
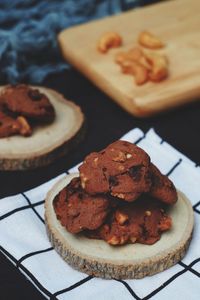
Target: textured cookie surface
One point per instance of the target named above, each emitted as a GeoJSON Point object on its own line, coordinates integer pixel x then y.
{"type": "Point", "coordinates": [162, 187]}
{"type": "Point", "coordinates": [8, 125]}
{"type": "Point", "coordinates": [142, 221]}
{"type": "Point", "coordinates": [78, 210]}
{"type": "Point", "coordinates": [26, 101]}
{"type": "Point", "coordinates": [121, 169]}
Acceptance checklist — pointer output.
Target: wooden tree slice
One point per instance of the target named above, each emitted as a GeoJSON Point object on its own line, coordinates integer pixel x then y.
{"type": "Point", "coordinates": [48, 142]}
{"type": "Point", "coordinates": [96, 257]}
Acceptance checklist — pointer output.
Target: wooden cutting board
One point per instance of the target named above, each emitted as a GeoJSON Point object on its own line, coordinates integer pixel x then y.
{"type": "Point", "coordinates": [177, 23]}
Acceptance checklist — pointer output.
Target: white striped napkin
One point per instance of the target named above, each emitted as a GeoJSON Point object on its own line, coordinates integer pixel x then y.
{"type": "Point", "coordinates": [24, 241]}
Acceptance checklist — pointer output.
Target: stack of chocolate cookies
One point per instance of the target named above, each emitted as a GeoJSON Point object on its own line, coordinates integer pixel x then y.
{"type": "Point", "coordinates": [119, 197]}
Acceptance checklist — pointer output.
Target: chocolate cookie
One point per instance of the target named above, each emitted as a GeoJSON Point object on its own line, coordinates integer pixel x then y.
{"type": "Point", "coordinates": [77, 210]}
{"type": "Point", "coordinates": [122, 170]}
{"type": "Point", "coordinates": [28, 102]}
{"type": "Point", "coordinates": [162, 187]}
{"type": "Point", "coordinates": [11, 126]}
{"type": "Point", "coordinates": [142, 221]}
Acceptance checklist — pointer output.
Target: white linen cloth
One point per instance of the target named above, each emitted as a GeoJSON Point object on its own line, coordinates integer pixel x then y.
{"type": "Point", "coordinates": [24, 241]}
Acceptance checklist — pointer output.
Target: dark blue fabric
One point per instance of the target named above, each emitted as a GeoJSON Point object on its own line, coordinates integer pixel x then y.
{"type": "Point", "coordinates": [28, 30]}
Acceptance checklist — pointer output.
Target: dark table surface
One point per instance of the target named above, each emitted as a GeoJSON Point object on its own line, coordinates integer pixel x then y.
{"type": "Point", "coordinates": [106, 122]}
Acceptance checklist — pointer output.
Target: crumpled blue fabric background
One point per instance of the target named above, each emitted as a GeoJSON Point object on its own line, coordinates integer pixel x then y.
{"type": "Point", "coordinates": [28, 30]}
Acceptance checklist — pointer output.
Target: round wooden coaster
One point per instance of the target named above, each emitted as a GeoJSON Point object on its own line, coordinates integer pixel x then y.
{"type": "Point", "coordinates": [48, 142]}
{"type": "Point", "coordinates": [96, 257]}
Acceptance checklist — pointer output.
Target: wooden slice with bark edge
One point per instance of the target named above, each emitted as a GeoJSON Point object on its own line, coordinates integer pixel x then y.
{"type": "Point", "coordinates": [97, 258]}
{"type": "Point", "coordinates": [48, 141]}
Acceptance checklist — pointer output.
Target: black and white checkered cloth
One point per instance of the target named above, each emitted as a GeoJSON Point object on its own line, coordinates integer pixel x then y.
{"type": "Point", "coordinates": [24, 241]}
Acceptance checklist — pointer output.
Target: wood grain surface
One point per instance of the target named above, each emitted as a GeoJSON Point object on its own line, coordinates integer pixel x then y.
{"type": "Point", "coordinates": [176, 22]}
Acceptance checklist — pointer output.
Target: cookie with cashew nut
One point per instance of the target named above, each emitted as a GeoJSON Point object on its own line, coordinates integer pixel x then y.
{"type": "Point", "coordinates": [77, 210]}
{"type": "Point", "coordinates": [37, 126]}
{"type": "Point", "coordinates": [162, 188]}
{"type": "Point", "coordinates": [10, 126]}
{"type": "Point", "coordinates": [28, 102]}
{"type": "Point", "coordinates": [140, 222]}
{"type": "Point", "coordinates": [121, 170]}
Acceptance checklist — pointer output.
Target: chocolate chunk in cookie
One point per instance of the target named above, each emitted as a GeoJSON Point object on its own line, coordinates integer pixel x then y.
{"type": "Point", "coordinates": [162, 187]}
{"type": "Point", "coordinates": [77, 210]}
{"type": "Point", "coordinates": [28, 102]}
{"type": "Point", "coordinates": [142, 221]}
{"type": "Point", "coordinates": [122, 170]}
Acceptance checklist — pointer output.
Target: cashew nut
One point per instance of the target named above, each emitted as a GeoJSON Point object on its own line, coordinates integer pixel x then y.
{"type": "Point", "coordinates": [139, 71]}
{"type": "Point", "coordinates": [109, 40]}
{"type": "Point", "coordinates": [149, 40]}
{"type": "Point", "coordinates": [114, 240]}
{"type": "Point", "coordinates": [159, 64]}
{"type": "Point", "coordinates": [25, 128]}
{"type": "Point", "coordinates": [120, 217]}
